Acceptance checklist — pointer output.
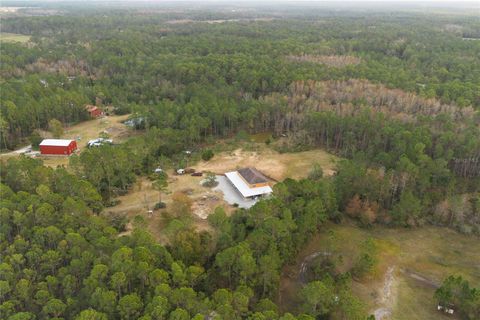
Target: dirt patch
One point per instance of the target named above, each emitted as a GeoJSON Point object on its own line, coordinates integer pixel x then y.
{"type": "Point", "coordinates": [388, 296]}
{"type": "Point", "coordinates": [421, 279]}
{"type": "Point", "coordinates": [142, 198]}
{"type": "Point", "coordinates": [202, 207]}
{"type": "Point", "coordinates": [273, 164]}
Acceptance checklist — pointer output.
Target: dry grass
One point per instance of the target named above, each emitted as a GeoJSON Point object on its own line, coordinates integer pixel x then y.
{"type": "Point", "coordinates": [272, 163]}
{"type": "Point", "coordinates": [204, 200]}
{"type": "Point", "coordinates": [13, 37]}
{"type": "Point", "coordinates": [143, 197]}
{"type": "Point", "coordinates": [89, 130]}
{"type": "Point", "coordinates": [432, 252]}
{"type": "Point", "coordinates": [337, 61]}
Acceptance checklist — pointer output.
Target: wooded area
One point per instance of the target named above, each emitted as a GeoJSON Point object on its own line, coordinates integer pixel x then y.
{"type": "Point", "coordinates": [396, 96]}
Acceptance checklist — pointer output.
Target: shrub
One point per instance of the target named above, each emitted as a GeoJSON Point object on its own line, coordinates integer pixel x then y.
{"type": "Point", "coordinates": [316, 173]}
{"type": "Point", "coordinates": [207, 154]}
{"type": "Point", "coordinates": [210, 181]}
{"type": "Point", "coordinates": [242, 135]}
{"type": "Point", "coordinates": [35, 140]}
{"type": "Point", "coordinates": [160, 205]}
{"type": "Point", "coordinates": [117, 220]}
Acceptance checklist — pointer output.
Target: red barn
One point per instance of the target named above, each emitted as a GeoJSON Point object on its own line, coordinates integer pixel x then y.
{"type": "Point", "coordinates": [93, 111]}
{"type": "Point", "coordinates": [58, 147]}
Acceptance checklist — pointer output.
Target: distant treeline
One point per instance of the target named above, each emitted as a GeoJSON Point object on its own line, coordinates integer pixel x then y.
{"type": "Point", "coordinates": [130, 58]}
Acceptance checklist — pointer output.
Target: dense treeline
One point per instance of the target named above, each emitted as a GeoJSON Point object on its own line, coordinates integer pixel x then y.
{"type": "Point", "coordinates": [127, 57]}
{"type": "Point", "coordinates": [188, 82]}
{"type": "Point", "coordinates": [60, 260]}
{"type": "Point", "coordinates": [398, 97]}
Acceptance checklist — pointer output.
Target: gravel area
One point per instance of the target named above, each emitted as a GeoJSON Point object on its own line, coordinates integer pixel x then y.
{"type": "Point", "coordinates": [231, 195]}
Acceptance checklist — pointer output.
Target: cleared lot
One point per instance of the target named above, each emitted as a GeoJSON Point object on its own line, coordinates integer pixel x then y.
{"type": "Point", "coordinates": [92, 129]}
{"type": "Point", "coordinates": [275, 165]}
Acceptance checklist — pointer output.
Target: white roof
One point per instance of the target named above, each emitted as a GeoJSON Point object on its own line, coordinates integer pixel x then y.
{"type": "Point", "coordinates": [244, 188]}
{"type": "Point", "coordinates": [56, 142]}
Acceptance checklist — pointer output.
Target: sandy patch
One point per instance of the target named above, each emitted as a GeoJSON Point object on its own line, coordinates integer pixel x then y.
{"type": "Point", "coordinates": [273, 164]}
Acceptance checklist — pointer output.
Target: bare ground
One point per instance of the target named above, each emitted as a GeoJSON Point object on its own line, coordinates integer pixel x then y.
{"type": "Point", "coordinates": [143, 197]}
{"type": "Point", "coordinates": [275, 165]}
{"type": "Point", "coordinates": [388, 296]}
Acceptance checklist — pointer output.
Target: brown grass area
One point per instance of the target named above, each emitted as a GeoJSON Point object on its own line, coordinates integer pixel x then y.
{"type": "Point", "coordinates": [143, 196]}
{"type": "Point", "coordinates": [204, 200]}
{"type": "Point", "coordinates": [89, 130]}
{"type": "Point", "coordinates": [272, 163]}
{"type": "Point", "coordinates": [431, 252]}
{"type": "Point", "coordinates": [336, 61]}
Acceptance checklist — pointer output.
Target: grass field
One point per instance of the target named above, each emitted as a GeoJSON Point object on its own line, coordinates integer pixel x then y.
{"type": "Point", "coordinates": [421, 258]}
{"type": "Point", "coordinates": [13, 37]}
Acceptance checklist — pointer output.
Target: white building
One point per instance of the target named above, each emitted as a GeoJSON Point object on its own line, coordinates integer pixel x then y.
{"type": "Point", "coordinates": [249, 182]}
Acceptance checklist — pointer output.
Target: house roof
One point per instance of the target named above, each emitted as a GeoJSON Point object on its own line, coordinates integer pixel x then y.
{"type": "Point", "coordinates": [244, 188]}
{"type": "Point", "coordinates": [252, 175]}
{"type": "Point", "coordinates": [56, 142]}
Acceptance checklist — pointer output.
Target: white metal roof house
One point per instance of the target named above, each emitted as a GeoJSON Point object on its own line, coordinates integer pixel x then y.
{"type": "Point", "coordinates": [249, 182]}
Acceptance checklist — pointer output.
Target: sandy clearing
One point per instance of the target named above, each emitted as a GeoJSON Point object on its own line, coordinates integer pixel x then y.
{"type": "Point", "coordinates": [143, 197]}
{"type": "Point", "coordinates": [275, 165]}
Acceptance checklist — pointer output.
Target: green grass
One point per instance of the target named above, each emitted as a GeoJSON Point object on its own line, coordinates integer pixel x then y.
{"type": "Point", "coordinates": [13, 37]}
{"type": "Point", "coordinates": [432, 252]}
{"type": "Point", "coordinates": [261, 137]}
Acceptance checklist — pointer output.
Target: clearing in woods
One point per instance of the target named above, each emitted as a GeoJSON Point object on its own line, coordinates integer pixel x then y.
{"type": "Point", "coordinates": [142, 197]}
{"type": "Point", "coordinates": [278, 166]}
{"type": "Point", "coordinates": [412, 264]}
{"type": "Point", "coordinates": [82, 132]}
{"type": "Point", "coordinates": [275, 165]}
{"type": "Point", "coordinates": [13, 37]}
{"type": "Point", "coordinates": [88, 130]}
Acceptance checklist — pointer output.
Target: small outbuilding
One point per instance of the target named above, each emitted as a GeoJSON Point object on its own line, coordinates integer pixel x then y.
{"type": "Point", "coordinates": [93, 111]}
{"type": "Point", "coordinates": [58, 147]}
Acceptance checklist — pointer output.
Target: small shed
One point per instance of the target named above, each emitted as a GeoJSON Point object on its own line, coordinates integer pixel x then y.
{"type": "Point", "coordinates": [93, 111]}
{"type": "Point", "coordinates": [58, 147]}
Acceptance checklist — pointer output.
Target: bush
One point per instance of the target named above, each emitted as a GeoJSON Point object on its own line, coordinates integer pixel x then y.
{"type": "Point", "coordinates": [316, 173]}
{"type": "Point", "coordinates": [118, 221]}
{"type": "Point", "coordinates": [160, 205]}
{"type": "Point", "coordinates": [35, 140]}
{"type": "Point", "coordinates": [367, 260]}
{"type": "Point", "coordinates": [210, 181]}
{"type": "Point", "coordinates": [242, 135]}
{"type": "Point", "coordinates": [207, 154]}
